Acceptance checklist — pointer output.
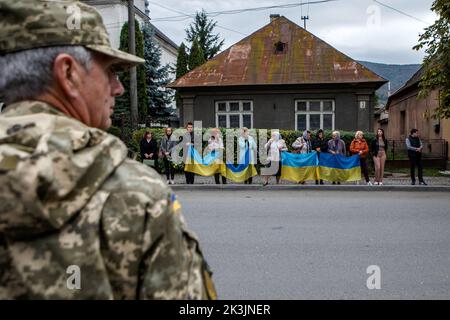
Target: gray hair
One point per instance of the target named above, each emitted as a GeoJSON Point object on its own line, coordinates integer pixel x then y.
{"type": "Point", "coordinates": [29, 73]}
{"type": "Point", "coordinates": [337, 133]}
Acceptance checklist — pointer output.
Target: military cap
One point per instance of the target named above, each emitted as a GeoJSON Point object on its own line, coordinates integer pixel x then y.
{"type": "Point", "coordinates": [29, 24]}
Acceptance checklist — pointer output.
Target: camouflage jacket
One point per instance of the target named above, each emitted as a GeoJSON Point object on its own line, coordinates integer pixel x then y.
{"type": "Point", "coordinates": [78, 220]}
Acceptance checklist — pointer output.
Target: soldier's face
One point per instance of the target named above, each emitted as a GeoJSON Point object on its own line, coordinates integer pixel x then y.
{"type": "Point", "coordinates": [99, 88]}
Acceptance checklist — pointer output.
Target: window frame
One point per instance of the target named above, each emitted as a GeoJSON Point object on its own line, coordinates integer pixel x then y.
{"type": "Point", "coordinates": [321, 112]}
{"type": "Point", "coordinates": [241, 112]}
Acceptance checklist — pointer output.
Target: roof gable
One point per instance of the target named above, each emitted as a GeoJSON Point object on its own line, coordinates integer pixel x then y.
{"type": "Point", "coordinates": [254, 60]}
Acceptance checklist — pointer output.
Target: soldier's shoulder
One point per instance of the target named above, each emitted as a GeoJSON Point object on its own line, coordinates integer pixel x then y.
{"type": "Point", "coordinates": [134, 177]}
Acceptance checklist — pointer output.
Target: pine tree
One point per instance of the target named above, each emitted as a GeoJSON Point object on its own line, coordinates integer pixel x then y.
{"type": "Point", "coordinates": [181, 69]}
{"type": "Point", "coordinates": [202, 28]}
{"type": "Point", "coordinates": [196, 56]}
{"type": "Point", "coordinates": [123, 103]}
{"type": "Point", "coordinates": [182, 61]}
{"type": "Point", "coordinates": [157, 77]}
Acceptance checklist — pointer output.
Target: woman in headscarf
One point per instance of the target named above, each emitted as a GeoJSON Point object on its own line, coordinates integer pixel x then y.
{"type": "Point", "coordinates": [274, 146]}
{"type": "Point", "coordinates": [336, 146]}
{"type": "Point", "coordinates": [303, 145]}
{"type": "Point", "coordinates": [215, 143]}
{"type": "Point", "coordinates": [247, 142]}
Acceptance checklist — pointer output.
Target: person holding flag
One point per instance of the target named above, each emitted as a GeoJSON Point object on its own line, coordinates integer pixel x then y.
{"type": "Point", "coordinates": [274, 146]}
{"type": "Point", "coordinates": [360, 146]}
{"type": "Point", "coordinates": [319, 144]}
{"type": "Point", "coordinates": [215, 143]}
{"type": "Point", "coordinates": [246, 142]}
{"type": "Point", "coordinates": [302, 145]}
{"type": "Point", "coordinates": [336, 146]}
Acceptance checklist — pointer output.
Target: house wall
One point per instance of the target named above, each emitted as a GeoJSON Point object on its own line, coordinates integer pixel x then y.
{"type": "Point", "coordinates": [276, 108]}
{"type": "Point", "coordinates": [445, 125]}
{"type": "Point", "coordinates": [417, 115]}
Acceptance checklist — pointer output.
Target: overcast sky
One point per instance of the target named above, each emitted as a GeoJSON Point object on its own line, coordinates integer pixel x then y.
{"type": "Point", "coordinates": [362, 29]}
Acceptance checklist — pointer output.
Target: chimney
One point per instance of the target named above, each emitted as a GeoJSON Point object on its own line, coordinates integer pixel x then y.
{"type": "Point", "coordinates": [274, 16]}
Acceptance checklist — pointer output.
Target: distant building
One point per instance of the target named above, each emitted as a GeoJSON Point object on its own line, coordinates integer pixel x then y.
{"type": "Point", "coordinates": [381, 118]}
{"type": "Point", "coordinates": [407, 111]}
{"type": "Point", "coordinates": [115, 14]}
{"type": "Point", "coordinates": [284, 77]}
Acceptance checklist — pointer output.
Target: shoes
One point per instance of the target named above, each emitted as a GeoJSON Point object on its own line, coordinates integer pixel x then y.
{"type": "Point", "coordinates": [369, 183]}
{"type": "Point", "coordinates": [422, 183]}
{"type": "Point", "coordinates": [375, 183]}
{"type": "Point", "coordinates": [168, 181]}
{"type": "Point", "coordinates": [321, 182]}
{"type": "Point", "coordinates": [265, 184]}
{"type": "Point", "coordinates": [413, 183]}
{"type": "Point", "coordinates": [381, 183]}
{"type": "Point", "coordinates": [172, 182]}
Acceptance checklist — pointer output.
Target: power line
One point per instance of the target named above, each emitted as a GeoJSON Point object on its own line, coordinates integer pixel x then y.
{"type": "Point", "coordinates": [193, 16]}
{"type": "Point", "coordinates": [401, 12]}
{"type": "Point", "coordinates": [237, 11]}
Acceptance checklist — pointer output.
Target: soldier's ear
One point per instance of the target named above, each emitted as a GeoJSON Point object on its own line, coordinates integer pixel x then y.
{"type": "Point", "coordinates": [67, 75]}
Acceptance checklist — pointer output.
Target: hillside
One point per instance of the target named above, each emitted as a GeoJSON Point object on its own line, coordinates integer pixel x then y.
{"type": "Point", "coordinates": [397, 74]}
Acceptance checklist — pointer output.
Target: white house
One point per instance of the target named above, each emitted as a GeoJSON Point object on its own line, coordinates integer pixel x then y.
{"type": "Point", "coordinates": [115, 14]}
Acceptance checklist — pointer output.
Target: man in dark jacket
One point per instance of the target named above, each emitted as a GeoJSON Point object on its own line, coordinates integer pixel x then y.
{"type": "Point", "coordinates": [319, 144]}
{"type": "Point", "coordinates": [415, 147]}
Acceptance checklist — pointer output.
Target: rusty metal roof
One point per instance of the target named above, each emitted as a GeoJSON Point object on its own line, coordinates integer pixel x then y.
{"type": "Point", "coordinates": [254, 61]}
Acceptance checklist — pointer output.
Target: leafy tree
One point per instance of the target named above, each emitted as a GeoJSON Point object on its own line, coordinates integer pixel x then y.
{"type": "Point", "coordinates": [436, 41]}
{"type": "Point", "coordinates": [196, 56]}
{"type": "Point", "coordinates": [157, 77]}
{"type": "Point", "coordinates": [123, 103]}
{"type": "Point", "coordinates": [202, 29]}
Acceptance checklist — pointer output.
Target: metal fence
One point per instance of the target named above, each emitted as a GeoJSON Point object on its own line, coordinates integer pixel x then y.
{"type": "Point", "coordinates": [433, 149]}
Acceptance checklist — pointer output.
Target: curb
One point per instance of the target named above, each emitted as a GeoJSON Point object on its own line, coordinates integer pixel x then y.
{"type": "Point", "coordinates": [232, 187]}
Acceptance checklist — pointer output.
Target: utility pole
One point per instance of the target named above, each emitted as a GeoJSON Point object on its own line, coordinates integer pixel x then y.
{"type": "Point", "coordinates": [304, 18]}
{"type": "Point", "coordinates": [133, 81]}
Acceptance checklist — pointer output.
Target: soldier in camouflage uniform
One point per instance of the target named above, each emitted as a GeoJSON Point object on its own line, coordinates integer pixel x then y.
{"type": "Point", "coordinates": [68, 194]}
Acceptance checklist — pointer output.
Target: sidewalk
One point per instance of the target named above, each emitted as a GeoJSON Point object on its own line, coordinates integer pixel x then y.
{"type": "Point", "coordinates": [398, 180]}
{"type": "Point", "coordinates": [397, 183]}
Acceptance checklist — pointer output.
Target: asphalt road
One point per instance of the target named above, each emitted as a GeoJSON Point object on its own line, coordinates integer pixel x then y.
{"type": "Point", "coordinates": [319, 244]}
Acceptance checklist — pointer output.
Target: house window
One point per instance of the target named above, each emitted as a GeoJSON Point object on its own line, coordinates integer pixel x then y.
{"type": "Point", "coordinates": [314, 114]}
{"type": "Point", "coordinates": [234, 114]}
{"type": "Point", "coordinates": [403, 122]}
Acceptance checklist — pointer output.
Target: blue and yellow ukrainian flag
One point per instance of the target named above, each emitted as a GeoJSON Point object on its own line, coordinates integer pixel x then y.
{"type": "Point", "coordinates": [299, 167]}
{"type": "Point", "coordinates": [336, 167]}
{"type": "Point", "coordinates": [240, 172]}
{"type": "Point", "coordinates": [206, 166]}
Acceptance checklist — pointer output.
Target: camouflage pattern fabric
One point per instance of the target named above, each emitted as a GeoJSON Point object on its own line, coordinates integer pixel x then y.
{"type": "Point", "coordinates": [28, 24]}
{"type": "Point", "coordinates": [69, 196]}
